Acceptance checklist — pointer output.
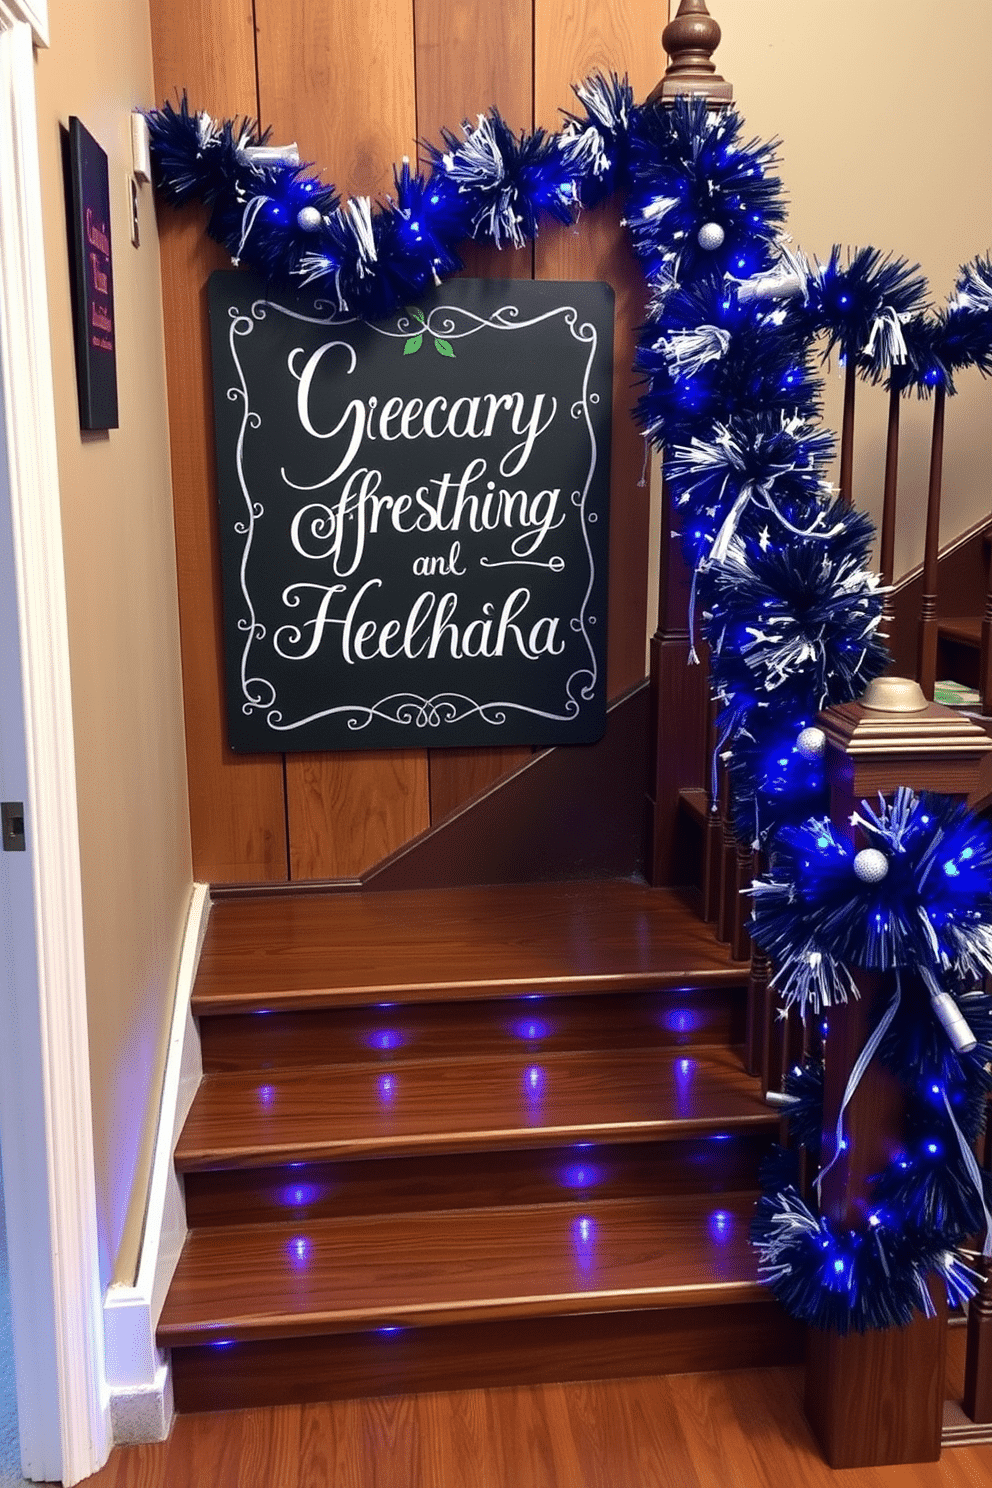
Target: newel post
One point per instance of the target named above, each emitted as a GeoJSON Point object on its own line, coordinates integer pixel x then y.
{"type": "Point", "coordinates": [878, 1397]}
{"type": "Point", "coordinates": [678, 688]}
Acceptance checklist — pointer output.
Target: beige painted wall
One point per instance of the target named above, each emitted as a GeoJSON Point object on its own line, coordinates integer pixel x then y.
{"type": "Point", "coordinates": [123, 622]}
{"type": "Point", "coordinates": [882, 107]}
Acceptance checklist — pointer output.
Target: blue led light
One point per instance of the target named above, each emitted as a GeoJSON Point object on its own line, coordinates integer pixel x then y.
{"type": "Point", "coordinates": [222, 1343]}
{"type": "Point", "coordinates": [951, 869]}
{"type": "Point", "coordinates": [386, 1038]}
{"type": "Point", "coordinates": [266, 1094]}
{"type": "Point", "coordinates": [583, 1232]}
{"type": "Point", "coordinates": [298, 1250]}
{"type": "Point", "coordinates": [720, 1224]}
{"type": "Point", "coordinates": [681, 1020]}
{"type": "Point", "coordinates": [580, 1175]}
{"type": "Point", "coordinates": [531, 1028]}
{"type": "Point", "coordinates": [839, 1267]}
{"type": "Point", "coordinates": [387, 1087]}
{"type": "Point", "coordinates": [535, 1080]}
{"type": "Point", "coordinates": [300, 1195]}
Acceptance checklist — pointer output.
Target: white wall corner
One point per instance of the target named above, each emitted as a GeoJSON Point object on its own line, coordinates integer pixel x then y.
{"type": "Point", "coordinates": [137, 1371]}
{"type": "Point", "coordinates": [33, 12]}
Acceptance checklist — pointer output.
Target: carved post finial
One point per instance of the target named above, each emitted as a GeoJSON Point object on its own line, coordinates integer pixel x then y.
{"type": "Point", "coordinates": [690, 39]}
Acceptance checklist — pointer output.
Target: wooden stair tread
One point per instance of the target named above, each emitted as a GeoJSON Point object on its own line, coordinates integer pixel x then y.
{"type": "Point", "coordinates": [252, 1118]}
{"type": "Point", "coordinates": [310, 950]}
{"type": "Point", "coordinates": [343, 1275]}
{"type": "Point", "coordinates": [966, 629]}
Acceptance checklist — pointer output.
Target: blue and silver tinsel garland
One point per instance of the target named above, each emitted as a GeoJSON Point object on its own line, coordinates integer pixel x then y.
{"type": "Point", "coordinates": [782, 591]}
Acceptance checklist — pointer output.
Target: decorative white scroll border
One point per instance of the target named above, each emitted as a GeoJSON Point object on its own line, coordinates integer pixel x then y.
{"type": "Point", "coordinates": [408, 709]}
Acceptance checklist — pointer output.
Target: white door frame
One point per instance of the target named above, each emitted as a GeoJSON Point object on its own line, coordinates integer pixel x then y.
{"type": "Point", "coordinates": [45, 1111]}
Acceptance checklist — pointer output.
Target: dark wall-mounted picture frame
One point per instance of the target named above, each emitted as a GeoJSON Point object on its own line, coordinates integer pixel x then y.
{"type": "Point", "coordinates": [91, 258]}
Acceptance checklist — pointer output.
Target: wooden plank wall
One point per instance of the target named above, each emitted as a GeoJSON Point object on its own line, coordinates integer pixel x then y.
{"type": "Point", "coordinates": [357, 83]}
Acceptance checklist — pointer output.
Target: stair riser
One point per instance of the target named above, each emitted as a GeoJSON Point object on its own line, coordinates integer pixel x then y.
{"type": "Point", "coordinates": [395, 1033]}
{"type": "Point", "coordinates": [713, 1164]}
{"type": "Point", "coordinates": [608, 1345]}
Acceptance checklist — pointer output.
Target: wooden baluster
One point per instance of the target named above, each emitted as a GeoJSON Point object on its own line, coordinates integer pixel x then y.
{"type": "Point", "coordinates": [985, 656]}
{"type": "Point", "coordinates": [679, 708]}
{"type": "Point", "coordinates": [887, 547]}
{"type": "Point", "coordinates": [690, 39]}
{"type": "Point", "coordinates": [759, 1010]}
{"type": "Point", "coordinates": [847, 432]}
{"type": "Point", "coordinates": [878, 1397]}
{"type": "Point", "coordinates": [746, 867]}
{"type": "Point", "coordinates": [713, 840]}
{"type": "Point", "coordinates": [927, 654]}
{"type": "Point", "coordinates": [728, 863]}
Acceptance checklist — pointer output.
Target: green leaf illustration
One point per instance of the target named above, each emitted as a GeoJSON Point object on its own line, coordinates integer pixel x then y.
{"type": "Point", "coordinates": [444, 347]}
{"type": "Point", "coordinates": [414, 344]}
{"type": "Point", "coordinates": [415, 312]}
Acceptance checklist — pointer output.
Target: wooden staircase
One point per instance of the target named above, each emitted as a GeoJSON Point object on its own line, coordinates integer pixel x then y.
{"type": "Point", "coordinates": [466, 1136]}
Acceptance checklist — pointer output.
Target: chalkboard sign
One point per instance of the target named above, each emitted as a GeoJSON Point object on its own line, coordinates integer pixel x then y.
{"type": "Point", "coordinates": [92, 275]}
{"type": "Point", "coordinates": [413, 516]}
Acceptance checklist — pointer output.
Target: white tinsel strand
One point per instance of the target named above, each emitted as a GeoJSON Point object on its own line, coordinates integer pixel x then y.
{"type": "Point", "coordinates": [586, 152]}
{"type": "Point", "coordinates": [599, 103]}
{"type": "Point", "coordinates": [809, 979]}
{"type": "Point", "coordinates": [208, 131]}
{"type": "Point", "coordinates": [359, 219]}
{"type": "Point", "coordinates": [789, 1224]}
{"type": "Point", "coordinates": [248, 219]}
{"type": "Point", "coordinates": [687, 352]}
{"type": "Point", "coordinates": [790, 278]}
{"type": "Point", "coordinates": [887, 331]}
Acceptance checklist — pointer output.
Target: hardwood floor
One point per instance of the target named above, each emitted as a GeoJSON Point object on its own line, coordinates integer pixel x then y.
{"type": "Point", "coordinates": [736, 1430]}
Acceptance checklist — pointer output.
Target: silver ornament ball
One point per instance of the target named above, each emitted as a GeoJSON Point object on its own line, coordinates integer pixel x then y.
{"type": "Point", "coordinates": [870, 865]}
{"type": "Point", "coordinates": [811, 744]}
{"type": "Point", "coordinates": [308, 219]}
{"type": "Point", "coordinates": [710, 237]}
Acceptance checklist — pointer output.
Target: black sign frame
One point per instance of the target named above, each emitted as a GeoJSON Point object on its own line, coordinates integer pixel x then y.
{"type": "Point", "coordinates": [92, 264]}
{"type": "Point", "coordinates": [508, 645]}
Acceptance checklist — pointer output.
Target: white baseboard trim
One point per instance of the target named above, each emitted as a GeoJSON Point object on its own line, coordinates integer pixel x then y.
{"type": "Point", "coordinates": [142, 1413]}
{"type": "Point", "coordinates": [137, 1371]}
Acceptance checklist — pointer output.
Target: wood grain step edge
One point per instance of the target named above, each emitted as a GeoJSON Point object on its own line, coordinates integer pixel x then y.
{"type": "Point", "coordinates": [190, 1159]}
{"type": "Point", "coordinates": [435, 1315]}
{"type": "Point", "coordinates": [295, 999]}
